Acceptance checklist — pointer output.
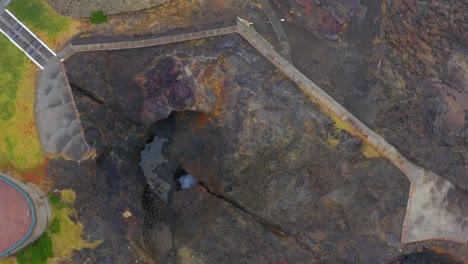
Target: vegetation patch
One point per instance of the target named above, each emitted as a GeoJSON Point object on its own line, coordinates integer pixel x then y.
{"type": "Point", "coordinates": [369, 151]}
{"type": "Point", "coordinates": [20, 149]}
{"type": "Point", "coordinates": [55, 225]}
{"type": "Point", "coordinates": [61, 238]}
{"type": "Point", "coordinates": [97, 17]}
{"type": "Point", "coordinates": [68, 238]}
{"type": "Point", "coordinates": [68, 197]}
{"type": "Point", "coordinates": [39, 16]}
{"type": "Point", "coordinates": [38, 252]}
{"type": "Point", "coordinates": [333, 142]}
{"type": "Point", "coordinates": [41, 19]}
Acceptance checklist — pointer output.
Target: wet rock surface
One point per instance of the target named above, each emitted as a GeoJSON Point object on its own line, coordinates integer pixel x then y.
{"type": "Point", "coordinates": [279, 182]}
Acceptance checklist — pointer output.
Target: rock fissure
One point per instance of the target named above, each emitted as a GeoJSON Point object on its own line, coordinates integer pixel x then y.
{"type": "Point", "coordinates": [272, 227]}
{"type": "Point", "coordinates": [87, 93]}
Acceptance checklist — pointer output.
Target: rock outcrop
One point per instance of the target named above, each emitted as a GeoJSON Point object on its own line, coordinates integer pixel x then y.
{"type": "Point", "coordinates": [279, 181]}
{"type": "Point", "coordinates": [423, 52]}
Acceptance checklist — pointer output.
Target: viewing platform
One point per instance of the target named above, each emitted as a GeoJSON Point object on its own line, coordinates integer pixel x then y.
{"type": "Point", "coordinates": [24, 214]}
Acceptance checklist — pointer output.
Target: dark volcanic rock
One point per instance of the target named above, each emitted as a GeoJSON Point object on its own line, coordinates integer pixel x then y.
{"type": "Point", "coordinates": [426, 256]}
{"type": "Point", "coordinates": [400, 66]}
{"type": "Point", "coordinates": [145, 89]}
{"type": "Point", "coordinates": [280, 182]}
{"type": "Point", "coordinates": [210, 230]}
{"type": "Point", "coordinates": [423, 52]}
{"type": "Point", "coordinates": [273, 160]}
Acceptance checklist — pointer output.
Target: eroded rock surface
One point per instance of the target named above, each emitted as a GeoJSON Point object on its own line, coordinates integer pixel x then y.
{"type": "Point", "coordinates": [400, 66]}
{"type": "Point", "coordinates": [424, 74]}
{"type": "Point", "coordinates": [280, 182]}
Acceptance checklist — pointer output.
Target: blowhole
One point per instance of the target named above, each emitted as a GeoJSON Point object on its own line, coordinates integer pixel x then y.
{"type": "Point", "coordinates": [184, 181]}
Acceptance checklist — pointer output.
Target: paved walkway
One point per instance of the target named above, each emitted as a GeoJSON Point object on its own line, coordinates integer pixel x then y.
{"type": "Point", "coordinates": [24, 214]}
{"type": "Point", "coordinates": [152, 42]}
{"type": "Point", "coordinates": [434, 207]}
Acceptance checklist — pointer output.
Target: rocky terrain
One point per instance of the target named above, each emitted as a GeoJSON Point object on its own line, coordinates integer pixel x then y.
{"type": "Point", "coordinates": [279, 181]}
{"type": "Point", "coordinates": [400, 66]}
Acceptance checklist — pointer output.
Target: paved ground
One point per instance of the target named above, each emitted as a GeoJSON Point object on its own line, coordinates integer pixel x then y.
{"type": "Point", "coordinates": [436, 209]}
{"type": "Point", "coordinates": [57, 121]}
{"type": "Point", "coordinates": [15, 216]}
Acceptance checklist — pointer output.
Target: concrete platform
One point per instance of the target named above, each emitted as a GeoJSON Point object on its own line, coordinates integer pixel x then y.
{"type": "Point", "coordinates": [24, 214]}
{"type": "Point", "coordinates": [57, 120]}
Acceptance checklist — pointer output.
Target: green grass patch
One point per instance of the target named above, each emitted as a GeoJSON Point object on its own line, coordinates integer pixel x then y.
{"type": "Point", "coordinates": [20, 149]}
{"type": "Point", "coordinates": [56, 201]}
{"type": "Point", "coordinates": [65, 232]}
{"type": "Point", "coordinates": [38, 16]}
{"type": "Point", "coordinates": [12, 67]}
{"type": "Point", "coordinates": [55, 225]}
{"type": "Point", "coordinates": [38, 252]}
{"type": "Point", "coordinates": [62, 237]}
{"type": "Point", "coordinates": [97, 17]}
{"type": "Point", "coordinates": [333, 142]}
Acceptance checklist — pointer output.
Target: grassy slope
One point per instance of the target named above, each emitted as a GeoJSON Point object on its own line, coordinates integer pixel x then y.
{"type": "Point", "coordinates": [19, 145]}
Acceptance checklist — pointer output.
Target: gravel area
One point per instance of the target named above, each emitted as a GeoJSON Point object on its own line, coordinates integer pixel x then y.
{"type": "Point", "coordinates": [83, 8]}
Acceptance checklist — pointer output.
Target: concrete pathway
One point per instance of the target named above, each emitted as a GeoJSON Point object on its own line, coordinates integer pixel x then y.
{"type": "Point", "coordinates": [155, 41]}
